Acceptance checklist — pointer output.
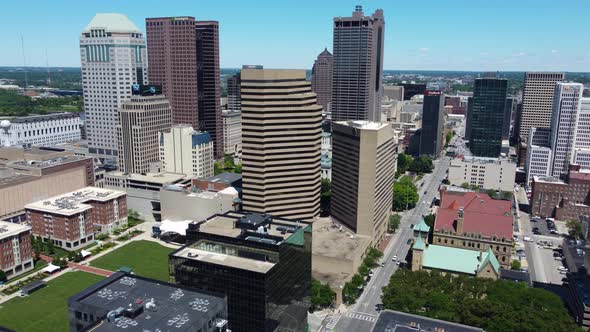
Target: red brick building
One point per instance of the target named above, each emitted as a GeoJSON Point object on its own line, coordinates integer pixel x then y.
{"type": "Point", "coordinates": [475, 221]}
{"type": "Point", "coordinates": [70, 220]}
{"type": "Point", "coordinates": [562, 200]}
{"type": "Point", "coordinates": [16, 252]}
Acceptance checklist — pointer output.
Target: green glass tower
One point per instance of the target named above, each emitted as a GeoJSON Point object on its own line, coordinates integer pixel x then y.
{"type": "Point", "coordinates": [486, 118]}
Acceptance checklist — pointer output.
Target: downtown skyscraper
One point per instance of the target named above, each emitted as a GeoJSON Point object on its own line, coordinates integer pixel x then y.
{"type": "Point", "coordinates": [184, 60]}
{"type": "Point", "coordinates": [431, 138]}
{"type": "Point", "coordinates": [281, 144]}
{"type": "Point", "coordinates": [321, 79]}
{"type": "Point", "coordinates": [485, 121]}
{"type": "Point", "coordinates": [113, 58]}
{"type": "Point", "coordinates": [358, 66]}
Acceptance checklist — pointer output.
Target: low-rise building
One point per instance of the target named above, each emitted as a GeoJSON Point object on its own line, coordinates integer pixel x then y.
{"type": "Point", "coordinates": [187, 151]}
{"type": "Point", "coordinates": [562, 199]}
{"type": "Point", "coordinates": [41, 130]}
{"type": "Point", "coordinates": [397, 321]}
{"type": "Point", "coordinates": [70, 220]}
{"type": "Point", "coordinates": [219, 182]}
{"type": "Point", "coordinates": [143, 190]}
{"type": "Point", "coordinates": [475, 221]}
{"type": "Point", "coordinates": [15, 249]}
{"type": "Point", "coordinates": [130, 302]}
{"type": "Point", "coordinates": [30, 175]}
{"type": "Point", "coordinates": [455, 261]}
{"type": "Point", "coordinates": [262, 263]}
{"type": "Point", "coordinates": [184, 203]}
{"type": "Point", "coordinates": [486, 173]}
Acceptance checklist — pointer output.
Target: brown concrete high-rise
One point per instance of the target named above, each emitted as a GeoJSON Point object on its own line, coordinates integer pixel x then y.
{"type": "Point", "coordinates": [209, 83]}
{"type": "Point", "coordinates": [184, 59]}
{"type": "Point", "coordinates": [172, 56]}
{"type": "Point", "coordinates": [321, 79]}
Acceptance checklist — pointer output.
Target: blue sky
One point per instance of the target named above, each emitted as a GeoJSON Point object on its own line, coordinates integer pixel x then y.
{"type": "Point", "coordinates": [426, 35]}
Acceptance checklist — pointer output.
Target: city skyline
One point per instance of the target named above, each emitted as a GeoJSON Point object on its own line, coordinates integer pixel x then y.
{"type": "Point", "coordinates": [429, 36]}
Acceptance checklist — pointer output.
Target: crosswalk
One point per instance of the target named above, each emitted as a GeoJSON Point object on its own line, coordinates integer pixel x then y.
{"type": "Point", "coordinates": [332, 321]}
{"type": "Point", "coordinates": [362, 316]}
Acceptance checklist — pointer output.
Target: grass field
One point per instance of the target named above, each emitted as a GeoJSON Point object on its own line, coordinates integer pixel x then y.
{"type": "Point", "coordinates": [146, 258]}
{"type": "Point", "coordinates": [46, 310]}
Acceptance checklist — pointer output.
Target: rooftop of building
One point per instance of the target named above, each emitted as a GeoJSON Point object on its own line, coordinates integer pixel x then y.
{"type": "Point", "coordinates": [10, 229]}
{"type": "Point", "coordinates": [457, 259]}
{"type": "Point", "coordinates": [135, 303]}
{"type": "Point", "coordinates": [397, 321]}
{"type": "Point", "coordinates": [332, 239]}
{"type": "Point", "coordinates": [225, 177]}
{"type": "Point", "coordinates": [481, 214]}
{"type": "Point", "coordinates": [111, 22]}
{"type": "Point", "coordinates": [157, 178]}
{"type": "Point", "coordinates": [484, 160]}
{"type": "Point", "coordinates": [363, 124]}
{"type": "Point", "coordinates": [422, 227]}
{"type": "Point", "coordinates": [253, 227]}
{"type": "Point", "coordinates": [75, 201]}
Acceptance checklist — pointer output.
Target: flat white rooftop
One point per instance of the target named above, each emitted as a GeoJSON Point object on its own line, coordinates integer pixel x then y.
{"type": "Point", "coordinates": [8, 229]}
{"type": "Point", "coordinates": [74, 202]}
{"type": "Point", "coordinates": [159, 178]}
{"type": "Point", "coordinates": [227, 260]}
{"type": "Point", "coordinates": [363, 124]}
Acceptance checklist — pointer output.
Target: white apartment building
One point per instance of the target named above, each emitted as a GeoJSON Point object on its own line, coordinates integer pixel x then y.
{"type": "Point", "coordinates": [582, 148]}
{"type": "Point", "coordinates": [539, 154]}
{"type": "Point", "coordinates": [232, 131]}
{"type": "Point", "coordinates": [486, 173]}
{"type": "Point", "coordinates": [41, 130]}
{"type": "Point", "coordinates": [564, 120]}
{"type": "Point", "coordinates": [113, 58]}
{"type": "Point", "coordinates": [186, 151]}
{"type": "Point", "coordinates": [326, 161]}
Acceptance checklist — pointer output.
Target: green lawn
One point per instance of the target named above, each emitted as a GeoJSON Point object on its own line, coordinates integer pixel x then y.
{"type": "Point", "coordinates": [146, 258]}
{"type": "Point", "coordinates": [45, 310]}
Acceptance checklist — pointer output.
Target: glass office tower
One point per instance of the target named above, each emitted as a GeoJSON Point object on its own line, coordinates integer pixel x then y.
{"type": "Point", "coordinates": [486, 118]}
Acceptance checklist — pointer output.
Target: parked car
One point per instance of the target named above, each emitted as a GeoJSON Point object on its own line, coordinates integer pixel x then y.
{"type": "Point", "coordinates": [409, 241]}
{"type": "Point", "coordinates": [553, 231]}
{"type": "Point", "coordinates": [527, 239]}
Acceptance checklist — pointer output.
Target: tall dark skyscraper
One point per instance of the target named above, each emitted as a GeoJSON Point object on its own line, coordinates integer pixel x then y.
{"type": "Point", "coordinates": [321, 79]}
{"type": "Point", "coordinates": [432, 124]}
{"type": "Point", "coordinates": [184, 59]}
{"type": "Point", "coordinates": [208, 82]}
{"type": "Point", "coordinates": [234, 100]}
{"type": "Point", "coordinates": [487, 116]}
{"type": "Point", "coordinates": [172, 56]}
{"type": "Point", "coordinates": [358, 66]}
{"type": "Point", "coordinates": [509, 109]}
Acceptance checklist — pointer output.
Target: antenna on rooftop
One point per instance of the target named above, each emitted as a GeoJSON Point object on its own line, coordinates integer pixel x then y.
{"type": "Point", "coordinates": [22, 44]}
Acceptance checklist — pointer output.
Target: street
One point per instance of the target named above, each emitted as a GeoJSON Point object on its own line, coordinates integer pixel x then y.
{"type": "Point", "coordinates": [362, 315]}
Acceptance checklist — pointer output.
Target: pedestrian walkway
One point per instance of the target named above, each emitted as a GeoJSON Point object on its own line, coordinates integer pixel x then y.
{"type": "Point", "coordinates": [90, 269]}
{"type": "Point", "coordinates": [362, 316]}
{"type": "Point", "coordinates": [332, 321]}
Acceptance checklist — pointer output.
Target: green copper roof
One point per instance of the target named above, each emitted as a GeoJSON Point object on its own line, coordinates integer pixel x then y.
{"type": "Point", "coordinates": [457, 260]}
{"type": "Point", "coordinates": [422, 227]}
{"type": "Point", "coordinates": [419, 244]}
{"type": "Point", "coordinates": [490, 258]}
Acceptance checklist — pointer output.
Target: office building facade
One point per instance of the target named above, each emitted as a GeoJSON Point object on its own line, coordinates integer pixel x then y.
{"type": "Point", "coordinates": [172, 51]}
{"type": "Point", "coordinates": [431, 140]}
{"type": "Point", "coordinates": [486, 118]}
{"type": "Point", "coordinates": [321, 79]}
{"type": "Point", "coordinates": [233, 93]}
{"type": "Point", "coordinates": [232, 132]}
{"type": "Point", "coordinates": [113, 58]}
{"type": "Point", "coordinates": [564, 119]}
{"type": "Point", "coordinates": [363, 158]}
{"type": "Point", "coordinates": [251, 258]}
{"type": "Point", "coordinates": [281, 142]}
{"type": "Point", "coordinates": [539, 154]}
{"type": "Point", "coordinates": [358, 66]}
{"type": "Point", "coordinates": [140, 120]}
{"type": "Point", "coordinates": [184, 150]}
{"type": "Point", "coordinates": [209, 82]}
{"type": "Point", "coordinates": [41, 130]}
{"type": "Point", "coordinates": [486, 173]}
{"type": "Point", "coordinates": [15, 249]}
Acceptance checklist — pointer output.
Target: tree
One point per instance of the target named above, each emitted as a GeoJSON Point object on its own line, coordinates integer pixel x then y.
{"type": "Point", "coordinates": [446, 181]}
{"type": "Point", "coordinates": [405, 195]}
{"type": "Point", "coordinates": [429, 220]}
{"type": "Point", "coordinates": [322, 295]}
{"type": "Point", "coordinates": [403, 163]}
{"type": "Point", "coordinates": [50, 247]}
{"type": "Point", "coordinates": [474, 187]}
{"type": "Point", "coordinates": [421, 165]}
{"type": "Point", "coordinates": [491, 192]}
{"type": "Point", "coordinates": [574, 228]}
{"type": "Point", "coordinates": [394, 221]}
{"type": "Point", "coordinates": [238, 169]}
{"type": "Point", "coordinates": [515, 265]}
{"type": "Point", "coordinates": [326, 197]}
{"type": "Point", "coordinates": [465, 185]}
{"type": "Point", "coordinates": [217, 168]}
{"type": "Point", "coordinates": [3, 276]}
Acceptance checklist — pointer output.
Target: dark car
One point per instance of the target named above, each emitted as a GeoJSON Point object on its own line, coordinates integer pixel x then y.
{"type": "Point", "coordinates": [425, 191]}
{"type": "Point", "coordinates": [535, 229]}
{"type": "Point", "coordinates": [409, 241]}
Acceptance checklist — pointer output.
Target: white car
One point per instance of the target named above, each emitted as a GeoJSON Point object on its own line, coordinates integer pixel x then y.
{"type": "Point", "coordinates": [527, 239]}
{"type": "Point", "coordinates": [562, 268]}
{"type": "Point", "coordinates": [394, 258]}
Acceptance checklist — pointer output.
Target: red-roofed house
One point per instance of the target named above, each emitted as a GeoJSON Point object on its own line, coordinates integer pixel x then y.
{"type": "Point", "coordinates": [475, 221]}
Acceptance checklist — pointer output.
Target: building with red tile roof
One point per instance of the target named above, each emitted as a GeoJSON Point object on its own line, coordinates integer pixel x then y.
{"type": "Point", "coordinates": [475, 221]}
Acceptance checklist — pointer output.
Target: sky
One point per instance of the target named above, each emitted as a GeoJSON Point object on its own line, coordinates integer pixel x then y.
{"type": "Point", "coordinates": [475, 35]}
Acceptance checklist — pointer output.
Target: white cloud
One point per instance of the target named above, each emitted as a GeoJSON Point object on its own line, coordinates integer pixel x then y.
{"type": "Point", "coordinates": [424, 49]}
{"type": "Point", "coordinates": [554, 51]}
{"type": "Point", "coordinates": [521, 54]}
